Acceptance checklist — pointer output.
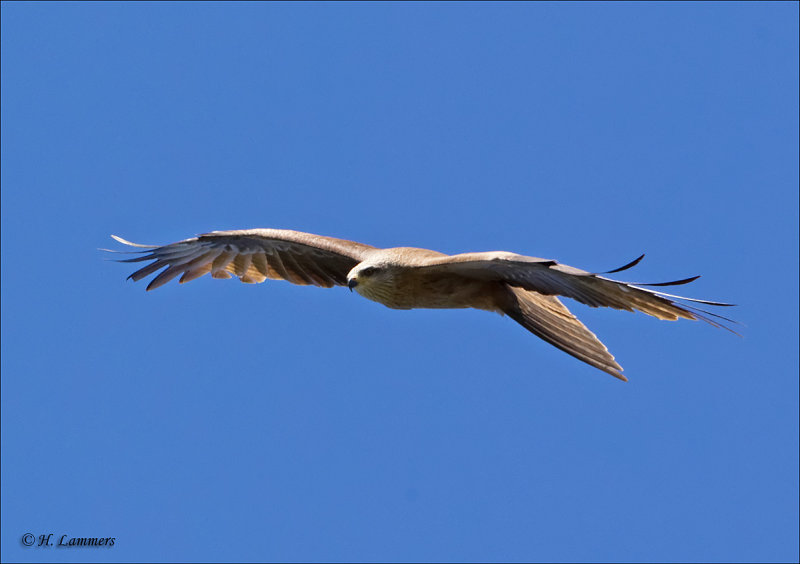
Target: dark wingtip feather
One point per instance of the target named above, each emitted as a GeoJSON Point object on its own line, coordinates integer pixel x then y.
{"type": "Point", "coordinates": [673, 283]}
{"type": "Point", "coordinates": [147, 270]}
{"type": "Point", "coordinates": [152, 285]}
{"type": "Point", "coordinates": [625, 267]}
{"type": "Point", "coordinates": [135, 259]}
{"type": "Point", "coordinates": [704, 316]}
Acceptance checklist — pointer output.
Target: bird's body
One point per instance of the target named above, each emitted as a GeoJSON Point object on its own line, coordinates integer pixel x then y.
{"type": "Point", "coordinates": [522, 287]}
{"type": "Point", "coordinates": [407, 291]}
{"type": "Point", "coordinates": [402, 282]}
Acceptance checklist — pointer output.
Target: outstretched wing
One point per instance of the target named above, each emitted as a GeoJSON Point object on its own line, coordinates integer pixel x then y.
{"type": "Point", "coordinates": [253, 255]}
{"type": "Point", "coordinates": [548, 277]}
{"type": "Point", "coordinates": [547, 318]}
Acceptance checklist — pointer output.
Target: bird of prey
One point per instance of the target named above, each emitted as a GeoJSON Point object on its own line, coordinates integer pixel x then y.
{"type": "Point", "coordinates": [522, 287]}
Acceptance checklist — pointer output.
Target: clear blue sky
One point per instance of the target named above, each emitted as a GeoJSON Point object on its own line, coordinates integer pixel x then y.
{"type": "Point", "coordinates": [222, 421]}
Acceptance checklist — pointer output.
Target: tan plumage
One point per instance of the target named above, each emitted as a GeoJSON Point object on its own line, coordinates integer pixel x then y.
{"type": "Point", "coordinates": [522, 287]}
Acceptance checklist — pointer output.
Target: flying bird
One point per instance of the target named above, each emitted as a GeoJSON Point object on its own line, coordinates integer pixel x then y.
{"type": "Point", "coordinates": [522, 287]}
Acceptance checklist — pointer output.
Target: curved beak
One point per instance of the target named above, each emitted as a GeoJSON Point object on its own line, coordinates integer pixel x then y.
{"type": "Point", "coordinates": [352, 283]}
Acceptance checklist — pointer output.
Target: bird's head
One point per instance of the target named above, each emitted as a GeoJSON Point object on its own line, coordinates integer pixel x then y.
{"type": "Point", "coordinates": [367, 277]}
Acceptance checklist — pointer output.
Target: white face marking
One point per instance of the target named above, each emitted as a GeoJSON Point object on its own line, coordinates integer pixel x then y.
{"type": "Point", "coordinates": [371, 280]}
{"type": "Point", "coordinates": [364, 271]}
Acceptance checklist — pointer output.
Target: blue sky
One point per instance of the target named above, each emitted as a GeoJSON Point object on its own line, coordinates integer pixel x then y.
{"type": "Point", "coordinates": [220, 421]}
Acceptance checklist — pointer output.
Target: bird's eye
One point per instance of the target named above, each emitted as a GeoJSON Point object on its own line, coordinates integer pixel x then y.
{"type": "Point", "coordinates": [369, 271]}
